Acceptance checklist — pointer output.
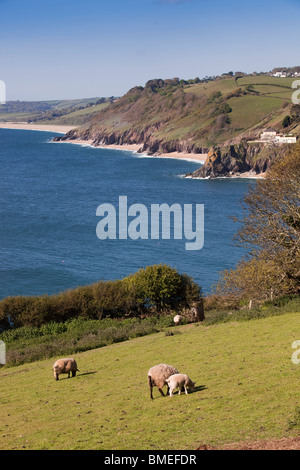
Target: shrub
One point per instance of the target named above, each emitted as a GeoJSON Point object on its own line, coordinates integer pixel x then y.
{"type": "Point", "coordinates": [150, 290]}
{"type": "Point", "coordinates": [287, 121]}
{"type": "Point", "coordinates": [163, 288]}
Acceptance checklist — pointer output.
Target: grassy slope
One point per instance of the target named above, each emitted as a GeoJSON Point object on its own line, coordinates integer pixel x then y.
{"type": "Point", "coordinates": [190, 114]}
{"type": "Point", "coordinates": [246, 389]}
{"type": "Point", "coordinates": [180, 116]}
{"type": "Point", "coordinates": [250, 110]}
{"type": "Point", "coordinates": [76, 117]}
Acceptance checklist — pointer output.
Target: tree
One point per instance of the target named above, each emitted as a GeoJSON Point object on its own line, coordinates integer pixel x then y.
{"type": "Point", "coordinates": [271, 230]}
{"type": "Point", "coordinates": [287, 121]}
{"type": "Point", "coordinates": [162, 287]}
{"type": "Point", "coordinates": [256, 278]}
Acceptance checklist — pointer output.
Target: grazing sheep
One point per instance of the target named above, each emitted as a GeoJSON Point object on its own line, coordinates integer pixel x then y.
{"type": "Point", "coordinates": [177, 319]}
{"type": "Point", "coordinates": [158, 375]}
{"type": "Point", "coordinates": [180, 380]}
{"type": "Point", "coordinates": [65, 366]}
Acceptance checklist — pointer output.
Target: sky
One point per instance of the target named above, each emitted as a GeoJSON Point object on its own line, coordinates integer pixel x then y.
{"type": "Point", "coordinates": [79, 49]}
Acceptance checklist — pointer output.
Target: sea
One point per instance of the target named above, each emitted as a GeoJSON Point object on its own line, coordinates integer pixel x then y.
{"type": "Point", "coordinates": [49, 195]}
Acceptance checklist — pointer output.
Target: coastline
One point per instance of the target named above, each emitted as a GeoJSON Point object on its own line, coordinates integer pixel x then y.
{"type": "Point", "coordinates": [200, 157]}
{"type": "Point", "coordinates": [246, 175]}
{"type": "Point", "coordinates": [61, 129]}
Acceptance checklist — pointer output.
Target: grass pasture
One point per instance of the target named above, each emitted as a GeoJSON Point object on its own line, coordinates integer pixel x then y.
{"type": "Point", "coordinates": [246, 388]}
{"type": "Point", "coordinates": [248, 110]}
{"type": "Point", "coordinates": [258, 105]}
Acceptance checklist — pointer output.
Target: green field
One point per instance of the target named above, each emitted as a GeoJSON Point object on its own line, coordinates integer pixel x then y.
{"type": "Point", "coordinates": [205, 114]}
{"type": "Point", "coordinates": [247, 388]}
{"type": "Point", "coordinates": [257, 107]}
{"type": "Point", "coordinates": [210, 113]}
{"type": "Point", "coordinates": [70, 112]}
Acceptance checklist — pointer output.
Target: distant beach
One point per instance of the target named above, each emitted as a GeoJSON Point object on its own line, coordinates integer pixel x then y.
{"type": "Point", "coordinates": [131, 147]}
{"type": "Point", "coordinates": [36, 127]}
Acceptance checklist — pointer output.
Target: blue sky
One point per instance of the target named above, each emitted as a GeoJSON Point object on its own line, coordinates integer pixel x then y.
{"type": "Point", "coordinates": [72, 49]}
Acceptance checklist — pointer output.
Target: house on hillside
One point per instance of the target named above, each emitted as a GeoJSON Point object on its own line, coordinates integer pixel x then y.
{"type": "Point", "coordinates": [285, 139]}
{"type": "Point", "coordinates": [280, 74]}
{"type": "Point", "coordinates": [268, 135]}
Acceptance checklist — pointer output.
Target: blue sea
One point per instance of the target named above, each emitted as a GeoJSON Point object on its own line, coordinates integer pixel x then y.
{"type": "Point", "coordinates": [48, 200]}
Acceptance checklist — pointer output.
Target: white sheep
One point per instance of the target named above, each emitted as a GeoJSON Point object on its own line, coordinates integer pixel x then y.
{"type": "Point", "coordinates": [65, 366]}
{"type": "Point", "coordinates": [180, 380]}
{"type": "Point", "coordinates": [177, 319]}
{"type": "Point", "coordinates": [158, 375]}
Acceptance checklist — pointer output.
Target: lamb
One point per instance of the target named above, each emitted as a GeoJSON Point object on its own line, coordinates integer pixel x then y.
{"type": "Point", "coordinates": [158, 375]}
{"type": "Point", "coordinates": [177, 319]}
{"type": "Point", "coordinates": [180, 380]}
{"type": "Point", "coordinates": [65, 366]}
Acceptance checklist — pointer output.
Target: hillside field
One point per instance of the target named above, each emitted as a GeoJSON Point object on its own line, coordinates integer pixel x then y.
{"type": "Point", "coordinates": [167, 115]}
{"type": "Point", "coordinates": [175, 115]}
{"type": "Point", "coordinates": [246, 389]}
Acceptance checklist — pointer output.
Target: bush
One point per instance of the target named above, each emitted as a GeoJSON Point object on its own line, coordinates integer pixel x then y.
{"type": "Point", "coordinates": [153, 289]}
{"type": "Point", "coordinates": [287, 121]}
{"type": "Point", "coordinates": [163, 288]}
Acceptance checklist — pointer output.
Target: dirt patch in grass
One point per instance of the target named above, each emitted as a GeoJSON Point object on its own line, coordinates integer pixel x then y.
{"type": "Point", "coordinates": [286, 443]}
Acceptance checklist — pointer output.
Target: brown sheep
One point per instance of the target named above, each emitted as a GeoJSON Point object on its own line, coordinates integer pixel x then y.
{"type": "Point", "coordinates": [65, 366]}
{"type": "Point", "coordinates": [158, 375]}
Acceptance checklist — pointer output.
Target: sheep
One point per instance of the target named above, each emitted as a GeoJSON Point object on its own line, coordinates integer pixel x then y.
{"type": "Point", "coordinates": [157, 376]}
{"type": "Point", "coordinates": [65, 366]}
{"type": "Point", "coordinates": [177, 319]}
{"type": "Point", "coordinates": [180, 380]}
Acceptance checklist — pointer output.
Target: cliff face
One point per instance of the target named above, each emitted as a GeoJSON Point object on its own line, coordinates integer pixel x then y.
{"type": "Point", "coordinates": [161, 117]}
{"type": "Point", "coordinates": [237, 160]}
{"type": "Point", "coordinates": [149, 144]}
{"type": "Point", "coordinates": [178, 116]}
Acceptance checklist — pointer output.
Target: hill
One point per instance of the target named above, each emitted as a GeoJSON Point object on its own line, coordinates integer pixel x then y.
{"type": "Point", "coordinates": [173, 115]}
{"type": "Point", "coordinates": [246, 390]}
{"type": "Point", "coordinates": [189, 116]}
{"type": "Point", "coordinates": [59, 112]}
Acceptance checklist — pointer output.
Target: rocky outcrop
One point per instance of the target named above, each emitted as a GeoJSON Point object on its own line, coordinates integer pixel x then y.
{"type": "Point", "coordinates": [233, 160]}
{"type": "Point", "coordinates": [236, 160]}
{"type": "Point", "coordinates": [148, 144]}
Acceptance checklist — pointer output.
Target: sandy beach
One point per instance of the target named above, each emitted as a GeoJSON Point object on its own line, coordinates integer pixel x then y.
{"type": "Point", "coordinates": [197, 157]}
{"type": "Point", "coordinates": [35, 127]}
{"type": "Point", "coordinates": [130, 147]}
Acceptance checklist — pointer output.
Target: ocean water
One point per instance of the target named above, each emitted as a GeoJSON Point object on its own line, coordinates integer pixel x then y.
{"type": "Point", "coordinates": [48, 199]}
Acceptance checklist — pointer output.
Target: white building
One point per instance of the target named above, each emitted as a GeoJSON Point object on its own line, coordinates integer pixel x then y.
{"type": "Point", "coordinates": [280, 74]}
{"type": "Point", "coordinates": [268, 135]}
{"type": "Point", "coordinates": [285, 139]}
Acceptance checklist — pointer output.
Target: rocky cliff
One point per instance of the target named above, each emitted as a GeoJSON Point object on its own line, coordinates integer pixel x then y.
{"type": "Point", "coordinates": [149, 144]}
{"type": "Point", "coordinates": [191, 117]}
{"type": "Point", "coordinates": [239, 160]}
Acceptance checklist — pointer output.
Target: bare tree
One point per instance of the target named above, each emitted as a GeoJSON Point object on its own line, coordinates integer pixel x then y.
{"type": "Point", "coordinates": [270, 229]}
